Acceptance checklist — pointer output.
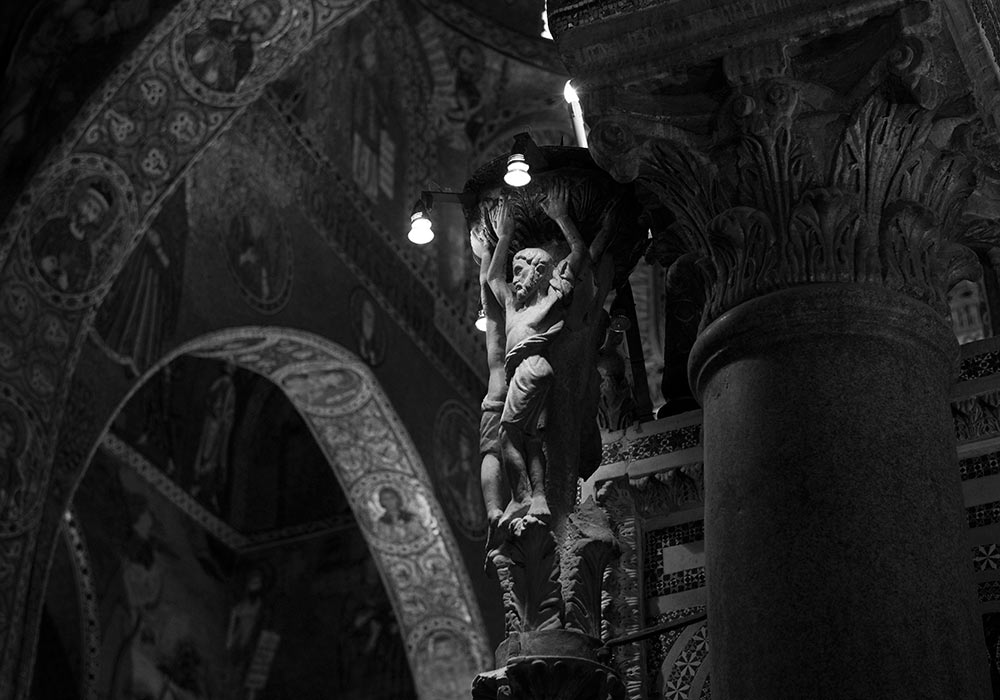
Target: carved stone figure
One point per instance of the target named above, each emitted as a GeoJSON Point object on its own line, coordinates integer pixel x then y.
{"type": "Point", "coordinates": [493, 479]}
{"type": "Point", "coordinates": [616, 406]}
{"type": "Point", "coordinates": [534, 313]}
{"type": "Point", "coordinates": [549, 254]}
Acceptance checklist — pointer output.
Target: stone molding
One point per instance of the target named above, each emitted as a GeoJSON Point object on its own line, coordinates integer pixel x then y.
{"type": "Point", "coordinates": [76, 545]}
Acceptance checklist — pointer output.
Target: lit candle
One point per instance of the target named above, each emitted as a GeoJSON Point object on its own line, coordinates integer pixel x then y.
{"type": "Point", "coordinates": [574, 105]}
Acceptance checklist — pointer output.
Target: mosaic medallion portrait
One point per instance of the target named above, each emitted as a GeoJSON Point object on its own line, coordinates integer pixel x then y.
{"type": "Point", "coordinates": [77, 228]}
{"type": "Point", "coordinates": [259, 255]}
{"type": "Point", "coordinates": [369, 327]}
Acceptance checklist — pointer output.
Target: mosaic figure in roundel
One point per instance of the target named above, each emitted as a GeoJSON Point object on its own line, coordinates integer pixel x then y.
{"type": "Point", "coordinates": [397, 522]}
{"type": "Point", "coordinates": [73, 233]}
{"type": "Point", "coordinates": [259, 256]}
{"type": "Point", "coordinates": [445, 663]}
{"type": "Point", "coordinates": [65, 246]}
{"type": "Point", "coordinates": [369, 328]}
{"type": "Point", "coordinates": [456, 456]}
{"type": "Point", "coordinates": [226, 53]}
{"type": "Point", "coordinates": [220, 53]}
{"type": "Point", "coordinates": [395, 510]}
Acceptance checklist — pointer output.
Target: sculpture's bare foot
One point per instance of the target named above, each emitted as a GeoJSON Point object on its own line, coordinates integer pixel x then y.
{"type": "Point", "coordinates": [539, 507]}
{"type": "Point", "coordinates": [515, 510]}
{"type": "Point", "coordinates": [528, 520]}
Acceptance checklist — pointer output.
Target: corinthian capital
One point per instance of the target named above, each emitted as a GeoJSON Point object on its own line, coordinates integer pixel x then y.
{"type": "Point", "coordinates": [844, 161]}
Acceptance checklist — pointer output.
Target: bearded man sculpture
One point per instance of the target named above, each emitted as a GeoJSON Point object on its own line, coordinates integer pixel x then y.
{"type": "Point", "coordinates": [535, 305]}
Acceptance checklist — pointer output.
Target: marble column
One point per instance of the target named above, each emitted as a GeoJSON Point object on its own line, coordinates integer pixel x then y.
{"type": "Point", "coordinates": [819, 181]}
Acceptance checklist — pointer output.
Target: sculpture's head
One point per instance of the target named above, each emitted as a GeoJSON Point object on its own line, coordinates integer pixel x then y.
{"type": "Point", "coordinates": [532, 268]}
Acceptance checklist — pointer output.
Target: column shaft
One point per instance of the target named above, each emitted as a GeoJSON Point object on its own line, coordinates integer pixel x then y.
{"type": "Point", "coordinates": [836, 556]}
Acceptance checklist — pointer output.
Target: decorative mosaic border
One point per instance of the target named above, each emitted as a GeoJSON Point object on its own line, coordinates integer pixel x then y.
{"type": "Point", "coordinates": [626, 450]}
{"type": "Point", "coordinates": [80, 558]}
{"type": "Point", "coordinates": [982, 365]}
{"type": "Point", "coordinates": [658, 584]}
{"type": "Point", "coordinates": [656, 541]}
{"type": "Point", "coordinates": [986, 557]}
{"type": "Point", "coordinates": [217, 528]}
{"type": "Point", "coordinates": [988, 591]}
{"type": "Point", "coordinates": [980, 466]}
{"type": "Point", "coordinates": [684, 675]}
{"type": "Point", "coordinates": [982, 515]}
{"type": "Point", "coordinates": [128, 456]}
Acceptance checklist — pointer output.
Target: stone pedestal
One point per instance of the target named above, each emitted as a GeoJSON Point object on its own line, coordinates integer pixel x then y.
{"type": "Point", "coordinates": [550, 665]}
{"type": "Point", "coordinates": [836, 558]}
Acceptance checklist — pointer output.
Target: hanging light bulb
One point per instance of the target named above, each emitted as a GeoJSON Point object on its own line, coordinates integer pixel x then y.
{"type": "Point", "coordinates": [481, 320]}
{"type": "Point", "coordinates": [421, 232]}
{"type": "Point", "coordinates": [517, 171]}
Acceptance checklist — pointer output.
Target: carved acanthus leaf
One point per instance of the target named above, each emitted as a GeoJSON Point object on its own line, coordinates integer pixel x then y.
{"type": "Point", "coordinates": [589, 548]}
{"type": "Point", "coordinates": [623, 610]}
{"type": "Point", "coordinates": [528, 569]}
{"type": "Point", "coordinates": [767, 208]}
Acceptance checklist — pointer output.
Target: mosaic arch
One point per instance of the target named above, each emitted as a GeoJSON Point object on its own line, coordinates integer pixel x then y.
{"type": "Point", "coordinates": [389, 489]}
{"type": "Point", "coordinates": [74, 225]}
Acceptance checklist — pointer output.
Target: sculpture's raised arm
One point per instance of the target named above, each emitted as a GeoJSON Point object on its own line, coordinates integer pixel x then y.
{"type": "Point", "coordinates": [496, 275]}
{"type": "Point", "coordinates": [556, 206]}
